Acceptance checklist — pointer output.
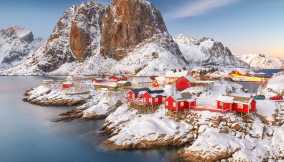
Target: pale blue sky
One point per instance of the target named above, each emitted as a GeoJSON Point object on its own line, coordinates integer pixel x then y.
{"type": "Point", "coordinates": [246, 26]}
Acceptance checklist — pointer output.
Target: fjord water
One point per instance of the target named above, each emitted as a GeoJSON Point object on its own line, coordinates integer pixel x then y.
{"type": "Point", "coordinates": [28, 134]}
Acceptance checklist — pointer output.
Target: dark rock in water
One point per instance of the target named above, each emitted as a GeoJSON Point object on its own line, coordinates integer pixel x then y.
{"type": "Point", "coordinates": [70, 115]}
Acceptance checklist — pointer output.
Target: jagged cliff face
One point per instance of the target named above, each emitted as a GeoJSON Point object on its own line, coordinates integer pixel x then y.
{"type": "Point", "coordinates": [16, 43]}
{"type": "Point", "coordinates": [112, 31]}
{"type": "Point", "coordinates": [74, 37]}
{"type": "Point", "coordinates": [126, 23]}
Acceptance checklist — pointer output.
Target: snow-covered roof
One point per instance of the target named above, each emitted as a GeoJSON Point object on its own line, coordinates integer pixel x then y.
{"type": "Point", "coordinates": [243, 100]}
{"type": "Point", "coordinates": [227, 99]}
{"type": "Point", "coordinates": [177, 74]}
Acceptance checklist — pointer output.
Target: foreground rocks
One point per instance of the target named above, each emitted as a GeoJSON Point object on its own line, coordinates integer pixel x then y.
{"type": "Point", "coordinates": [53, 96]}
{"type": "Point", "coordinates": [129, 130]}
{"type": "Point", "coordinates": [99, 106]}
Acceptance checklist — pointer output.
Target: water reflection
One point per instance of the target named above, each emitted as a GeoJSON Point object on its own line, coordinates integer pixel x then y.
{"type": "Point", "coordinates": [27, 133]}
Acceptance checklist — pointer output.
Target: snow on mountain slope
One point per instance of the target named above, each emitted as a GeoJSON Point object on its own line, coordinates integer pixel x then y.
{"type": "Point", "coordinates": [261, 61]}
{"type": "Point", "coordinates": [16, 43]}
{"type": "Point", "coordinates": [207, 51]}
{"type": "Point", "coordinates": [149, 58]}
{"type": "Point", "coordinates": [92, 39]}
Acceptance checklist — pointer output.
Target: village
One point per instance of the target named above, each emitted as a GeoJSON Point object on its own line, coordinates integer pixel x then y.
{"type": "Point", "coordinates": [179, 108]}
{"type": "Point", "coordinates": [178, 92]}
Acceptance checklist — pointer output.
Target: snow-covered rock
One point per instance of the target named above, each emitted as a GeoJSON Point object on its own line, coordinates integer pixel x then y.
{"type": "Point", "coordinates": [206, 51]}
{"type": "Point", "coordinates": [16, 43]}
{"type": "Point", "coordinates": [102, 103]}
{"type": "Point", "coordinates": [211, 146]}
{"type": "Point", "coordinates": [53, 95]}
{"type": "Point", "coordinates": [144, 131]}
{"type": "Point", "coordinates": [214, 146]}
{"type": "Point", "coordinates": [262, 61]}
{"type": "Point", "coordinates": [278, 142]}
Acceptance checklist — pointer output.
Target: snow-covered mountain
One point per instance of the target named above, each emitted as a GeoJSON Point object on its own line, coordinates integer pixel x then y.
{"type": "Point", "coordinates": [16, 43]}
{"type": "Point", "coordinates": [207, 51]}
{"type": "Point", "coordinates": [262, 61]}
{"type": "Point", "coordinates": [91, 38]}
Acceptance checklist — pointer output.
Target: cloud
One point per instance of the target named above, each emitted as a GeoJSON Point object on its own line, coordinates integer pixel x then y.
{"type": "Point", "coordinates": [200, 7]}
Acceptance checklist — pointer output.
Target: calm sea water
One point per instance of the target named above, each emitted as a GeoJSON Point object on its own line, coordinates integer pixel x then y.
{"type": "Point", "coordinates": [269, 72]}
{"type": "Point", "coordinates": [27, 133]}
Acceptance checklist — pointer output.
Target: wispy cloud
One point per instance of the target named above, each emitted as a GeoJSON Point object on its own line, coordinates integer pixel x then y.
{"type": "Point", "coordinates": [200, 7]}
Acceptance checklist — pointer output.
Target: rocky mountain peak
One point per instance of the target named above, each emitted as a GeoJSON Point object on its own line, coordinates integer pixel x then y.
{"type": "Point", "coordinates": [131, 22]}
{"type": "Point", "coordinates": [206, 52]}
{"type": "Point", "coordinates": [16, 43]}
{"type": "Point", "coordinates": [16, 32]}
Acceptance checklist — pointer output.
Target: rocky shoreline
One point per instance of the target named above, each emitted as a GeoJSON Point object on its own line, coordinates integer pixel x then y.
{"type": "Point", "coordinates": [52, 96]}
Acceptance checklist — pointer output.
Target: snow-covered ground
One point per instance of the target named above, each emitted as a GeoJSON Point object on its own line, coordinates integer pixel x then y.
{"type": "Point", "coordinates": [131, 130]}
{"type": "Point", "coordinates": [214, 146]}
{"type": "Point", "coordinates": [102, 103]}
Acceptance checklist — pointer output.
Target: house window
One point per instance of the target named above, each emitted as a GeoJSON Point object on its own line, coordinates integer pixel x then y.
{"type": "Point", "coordinates": [174, 104]}
{"type": "Point", "coordinates": [167, 103]}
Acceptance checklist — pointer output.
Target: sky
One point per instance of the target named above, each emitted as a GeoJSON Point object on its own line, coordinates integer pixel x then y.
{"type": "Point", "coordinates": [245, 26]}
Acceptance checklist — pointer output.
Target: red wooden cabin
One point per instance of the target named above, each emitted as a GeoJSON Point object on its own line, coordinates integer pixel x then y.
{"type": "Point", "coordinates": [236, 104]}
{"type": "Point", "coordinates": [134, 94]}
{"type": "Point", "coordinates": [244, 104]}
{"type": "Point", "coordinates": [276, 98]}
{"type": "Point", "coordinates": [152, 99]}
{"type": "Point", "coordinates": [147, 96]}
{"type": "Point", "coordinates": [118, 78]}
{"type": "Point", "coordinates": [131, 95]}
{"type": "Point", "coordinates": [225, 103]}
{"type": "Point", "coordinates": [182, 83]}
{"type": "Point", "coordinates": [180, 104]}
{"type": "Point", "coordinates": [67, 85]}
{"type": "Point", "coordinates": [114, 78]}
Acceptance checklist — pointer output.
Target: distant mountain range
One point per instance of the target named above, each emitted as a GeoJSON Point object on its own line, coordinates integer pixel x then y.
{"type": "Point", "coordinates": [207, 52]}
{"type": "Point", "coordinates": [124, 37]}
{"type": "Point", "coordinates": [262, 61]}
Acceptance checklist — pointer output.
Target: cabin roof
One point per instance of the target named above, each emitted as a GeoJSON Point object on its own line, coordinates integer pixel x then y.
{"type": "Point", "coordinates": [226, 99]}
{"type": "Point", "coordinates": [138, 90]}
{"type": "Point", "coordinates": [245, 100]}
{"type": "Point", "coordinates": [157, 91]}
